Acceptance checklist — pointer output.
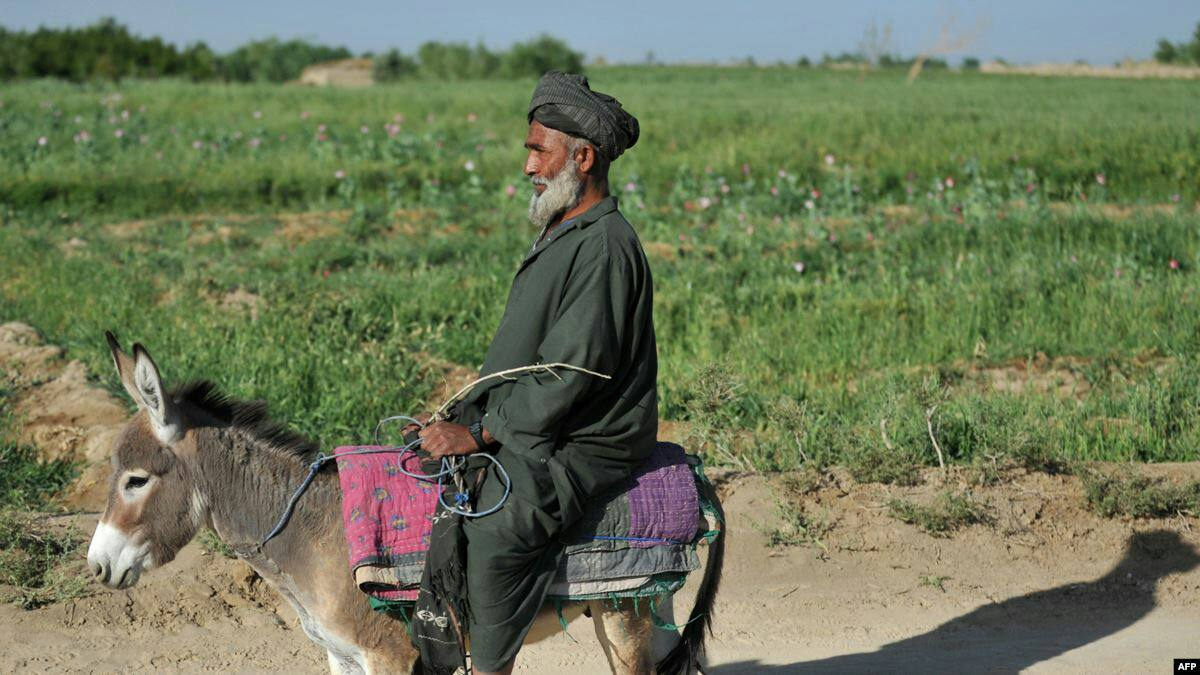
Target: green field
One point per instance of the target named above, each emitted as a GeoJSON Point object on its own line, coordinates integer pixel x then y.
{"type": "Point", "coordinates": [830, 251]}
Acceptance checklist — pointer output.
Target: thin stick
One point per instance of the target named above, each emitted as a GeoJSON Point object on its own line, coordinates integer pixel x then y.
{"type": "Point", "coordinates": [937, 448]}
{"type": "Point", "coordinates": [887, 443]}
{"type": "Point", "coordinates": [541, 367]}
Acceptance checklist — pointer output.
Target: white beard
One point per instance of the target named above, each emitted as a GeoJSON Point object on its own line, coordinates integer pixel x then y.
{"type": "Point", "coordinates": [562, 193]}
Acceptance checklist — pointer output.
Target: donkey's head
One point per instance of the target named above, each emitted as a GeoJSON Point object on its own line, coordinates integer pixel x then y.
{"type": "Point", "coordinates": [154, 503]}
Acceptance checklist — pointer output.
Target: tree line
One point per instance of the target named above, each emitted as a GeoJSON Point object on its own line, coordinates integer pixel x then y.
{"type": "Point", "coordinates": [107, 50]}
{"type": "Point", "coordinates": [1183, 53]}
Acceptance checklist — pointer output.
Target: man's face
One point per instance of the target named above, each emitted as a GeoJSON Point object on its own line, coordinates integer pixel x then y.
{"type": "Point", "coordinates": [547, 154]}
{"type": "Point", "coordinates": [554, 173]}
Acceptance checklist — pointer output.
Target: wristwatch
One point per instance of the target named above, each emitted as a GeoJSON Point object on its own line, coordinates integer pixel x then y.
{"type": "Point", "coordinates": [476, 429]}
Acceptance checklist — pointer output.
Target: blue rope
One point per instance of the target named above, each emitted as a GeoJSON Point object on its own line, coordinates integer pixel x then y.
{"type": "Point", "coordinates": [652, 540]}
{"type": "Point", "coordinates": [462, 499]}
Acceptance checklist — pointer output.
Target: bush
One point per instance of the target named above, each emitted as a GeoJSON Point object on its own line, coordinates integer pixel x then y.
{"type": "Point", "coordinates": [949, 513]}
{"type": "Point", "coordinates": [1137, 496]}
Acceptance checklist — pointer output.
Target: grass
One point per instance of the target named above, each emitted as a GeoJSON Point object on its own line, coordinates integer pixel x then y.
{"type": "Point", "coordinates": [1135, 496]}
{"type": "Point", "coordinates": [212, 543]}
{"type": "Point", "coordinates": [799, 527]}
{"type": "Point", "coordinates": [948, 513]}
{"type": "Point", "coordinates": [36, 559]}
{"type": "Point", "coordinates": [798, 305]}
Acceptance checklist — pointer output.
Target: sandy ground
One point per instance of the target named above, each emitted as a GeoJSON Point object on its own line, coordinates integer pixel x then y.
{"type": "Point", "coordinates": [1046, 587]}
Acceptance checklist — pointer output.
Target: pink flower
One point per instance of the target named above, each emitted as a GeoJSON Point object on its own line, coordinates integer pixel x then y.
{"type": "Point", "coordinates": [237, 135]}
{"type": "Point", "coordinates": [1175, 197]}
{"type": "Point", "coordinates": [258, 114]}
{"type": "Point", "coordinates": [1101, 179]}
{"type": "Point", "coordinates": [816, 194]}
{"type": "Point", "coordinates": [392, 130]}
{"type": "Point", "coordinates": [119, 133]}
{"type": "Point", "coordinates": [304, 114]}
{"type": "Point", "coordinates": [949, 181]}
{"type": "Point", "coordinates": [782, 173]}
{"type": "Point", "coordinates": [829, 160]}
{"type": "Point", "coordinates": [1117, 272]}
{"type": "Point", "coordinates": [631, 186]}
{"type": "Point", "coordinates": [745, 169]}
{"type": "Point", "coordinates": [365, 129]}
{"type": "Point", "coordinates": [832, 237]}
{"type": "Point", "coordinates": [682, 237]}
{"type": "Point", "coordinates": [471, 117]}
{"type": "Point", "coordinates": [724, 188]}
{"type": "Point", "coordinates": [322, 137]}
{"type": "Point", "coordinates": [125, 114]}
{"type": "Point", "coordinates": [742, 217]}
{"type": "Point", "coordinates": [774, 190]}
{"type": "Point", "coordinates": [42, 140]}
{"type": "Point", "coordinates": [398, 118]}
{"type": "Point", "coordinates": [870, 236]}
{"type": "Point", "coordinates": [197, 144]}
{"type": "Point", "coordinates": [321, 127]}
{"type": "Point", "coordinates": [254, 142]}
{"type": "Point", "coordinates": [1029, 189]}
{"type": "Point", "coordinates": [1174, 264]}
{"type": "Point", "coordinates": [510, 190]}
{"type": "Point", "coordinates": [339, 174]}
{"type": "Point", "coordinates": [799, 267]}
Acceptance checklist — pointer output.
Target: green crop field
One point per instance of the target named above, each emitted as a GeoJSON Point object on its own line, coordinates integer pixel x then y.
{"type": "Point", "coordinates": [846, 267]}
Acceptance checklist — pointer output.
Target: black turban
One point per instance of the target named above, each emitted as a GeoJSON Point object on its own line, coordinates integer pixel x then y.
{"type": "Point", "coordinates": [565, 102]}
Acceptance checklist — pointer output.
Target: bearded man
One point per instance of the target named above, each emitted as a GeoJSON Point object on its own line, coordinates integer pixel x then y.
{"type": "Point", "coordinates": [582, 296]}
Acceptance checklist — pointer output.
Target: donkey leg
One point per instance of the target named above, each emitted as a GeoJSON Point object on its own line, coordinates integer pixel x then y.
{"type": "Point", "coordinates": [625, 633]}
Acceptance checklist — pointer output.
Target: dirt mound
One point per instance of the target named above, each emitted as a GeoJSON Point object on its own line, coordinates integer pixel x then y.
{"type": "Point", "coordinates": [60, 412]}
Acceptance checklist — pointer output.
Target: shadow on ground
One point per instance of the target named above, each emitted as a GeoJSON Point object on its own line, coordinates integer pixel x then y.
{"type": "Point", "coordinates": [1015, 634]}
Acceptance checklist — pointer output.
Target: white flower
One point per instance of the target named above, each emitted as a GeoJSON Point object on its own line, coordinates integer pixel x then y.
{"type": "Point", "coordinates": [469, 166]}
{"type": "Point", "coordinates": [798, 266]}
{"type": "Point", "coordinates": [809, 204]}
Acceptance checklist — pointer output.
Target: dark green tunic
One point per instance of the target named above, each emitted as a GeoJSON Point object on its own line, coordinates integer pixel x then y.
{"type": "Point", "coordinates": [582, 296]}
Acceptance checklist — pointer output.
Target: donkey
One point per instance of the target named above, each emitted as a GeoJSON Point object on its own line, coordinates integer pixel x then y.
{"type": "Point", "coordinates": [192, 457]}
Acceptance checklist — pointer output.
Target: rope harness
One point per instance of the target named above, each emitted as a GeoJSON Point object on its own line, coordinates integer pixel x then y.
{"type": "Point", "coordinates": [452, 467]}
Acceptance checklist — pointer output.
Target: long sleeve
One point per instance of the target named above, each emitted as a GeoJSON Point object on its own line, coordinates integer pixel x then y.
{"type": "Point", "coordinates": [588, 332]}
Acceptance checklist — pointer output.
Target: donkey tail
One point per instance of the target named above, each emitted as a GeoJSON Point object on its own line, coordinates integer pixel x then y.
{"type": "Point", "coordinates": [684, 657]}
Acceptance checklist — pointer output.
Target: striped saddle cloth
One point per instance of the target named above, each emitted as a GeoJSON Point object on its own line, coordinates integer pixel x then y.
{"type": "Point", "coordinates": [637, 538]}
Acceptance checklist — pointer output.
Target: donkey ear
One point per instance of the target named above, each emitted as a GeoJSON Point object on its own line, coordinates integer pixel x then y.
{"type": "Point", "coordinates": [147, 389]}
{"type": "Point", "coordinates": [124, 365]}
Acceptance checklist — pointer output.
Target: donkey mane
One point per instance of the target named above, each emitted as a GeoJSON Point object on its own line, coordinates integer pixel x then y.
{"type": "Point", "coordinates": [248, 416]}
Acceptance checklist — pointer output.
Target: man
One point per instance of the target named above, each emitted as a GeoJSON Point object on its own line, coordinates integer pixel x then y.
{"type": "Point", "coordinates": [582, 296]}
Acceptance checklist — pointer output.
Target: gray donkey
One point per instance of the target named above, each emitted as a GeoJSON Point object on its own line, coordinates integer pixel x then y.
{"type": "Point", "coordinates": [193, 457]}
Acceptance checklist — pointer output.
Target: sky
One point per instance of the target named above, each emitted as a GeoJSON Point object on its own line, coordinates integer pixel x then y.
{"type": "Point", "coordinates": [1022, 31]}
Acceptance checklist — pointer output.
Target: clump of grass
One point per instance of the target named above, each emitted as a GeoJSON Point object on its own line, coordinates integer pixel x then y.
{"type": "Point", "coordinates": [1138, 496]}
{"type": "Point", "coordinates": [799, 527]}
{"type": "Point", "coordinates": [33, 559]}
{"type": "Point", "coordinates": [26, 482]}
{"type": "Point", "coordinates": [948, 513]}
{"type": "Point", "coordinates": [873, 464]}
{"type": "Point", "coordinates": [934, 581]}
{"type": "Point", "coordinates": [212, 543]}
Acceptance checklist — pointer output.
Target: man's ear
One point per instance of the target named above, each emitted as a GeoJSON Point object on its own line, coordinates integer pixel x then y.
{"type": "Point", "coordinates": [585, 157]}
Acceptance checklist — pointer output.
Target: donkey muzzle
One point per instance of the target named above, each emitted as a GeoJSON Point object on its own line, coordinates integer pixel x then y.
{"type": "Point", "coordinates": [115, 559]}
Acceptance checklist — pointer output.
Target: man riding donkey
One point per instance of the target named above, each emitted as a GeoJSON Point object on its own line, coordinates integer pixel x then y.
{"type": "Point", "coordinates": [582, 296]}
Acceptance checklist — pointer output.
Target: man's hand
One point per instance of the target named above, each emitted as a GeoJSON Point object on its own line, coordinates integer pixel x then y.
{"type": "Point", "coordinates": [447, 438]}
{"type": "Point", "coordinates": [423, 418]}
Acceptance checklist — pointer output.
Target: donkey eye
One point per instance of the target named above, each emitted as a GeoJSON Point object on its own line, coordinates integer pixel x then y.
{"type": "Point", "coordinates": [135, 482]}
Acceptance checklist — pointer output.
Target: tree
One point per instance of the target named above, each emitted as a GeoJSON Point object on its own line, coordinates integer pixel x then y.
{"type": "Point", "coordinates": [542, 54]}
{"type": "Point", "coordinates": [392, 66]}
{"type": "Point", "coordinates": [1167, 52]}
